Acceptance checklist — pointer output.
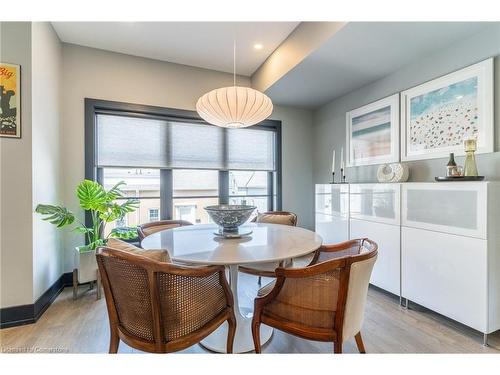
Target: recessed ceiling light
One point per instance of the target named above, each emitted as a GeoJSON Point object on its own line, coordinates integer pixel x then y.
{"type": "Point", "coordinates": [257, 46]}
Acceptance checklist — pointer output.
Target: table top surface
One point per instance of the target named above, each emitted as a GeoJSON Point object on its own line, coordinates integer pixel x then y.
{"type": "Point", "coordinates": [267, 243]}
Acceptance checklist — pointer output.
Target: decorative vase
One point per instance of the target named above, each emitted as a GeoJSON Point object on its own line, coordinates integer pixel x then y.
{"type": "Point", "coordinates": [394, 172]}
{"type": "Point", "coordinates": [470, 167]}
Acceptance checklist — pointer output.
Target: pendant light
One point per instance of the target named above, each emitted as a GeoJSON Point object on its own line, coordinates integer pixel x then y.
{"type": "Point", "coordinates": [234, 106]}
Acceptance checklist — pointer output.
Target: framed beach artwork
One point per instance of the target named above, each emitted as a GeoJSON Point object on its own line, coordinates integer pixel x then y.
{"type": "Point", "coordinates": [10, 100]}
{"type": "Point", "coordinates": [438, 115]}
{"type": "Point", "coordinates": [373, 133]}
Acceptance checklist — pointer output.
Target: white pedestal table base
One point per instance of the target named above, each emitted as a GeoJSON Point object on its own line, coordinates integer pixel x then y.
{"type": "Point", "coordinates": [243, 340]}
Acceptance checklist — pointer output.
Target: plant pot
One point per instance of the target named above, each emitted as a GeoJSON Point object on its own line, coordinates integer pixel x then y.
{"type": "Point", "coordinates": [86, 271]}
{"type": "Point", "coordinates": [86, 264]}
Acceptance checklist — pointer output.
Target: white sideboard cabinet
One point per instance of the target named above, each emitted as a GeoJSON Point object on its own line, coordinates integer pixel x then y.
{"type": "Point", "coordinates": [332, 212]}
{"type": "Point", "coordinates": [439, 243]}
{"type": "Point", "coordinates": [450, 258]}
{"type": "Point", "coordinates": [375, 213]}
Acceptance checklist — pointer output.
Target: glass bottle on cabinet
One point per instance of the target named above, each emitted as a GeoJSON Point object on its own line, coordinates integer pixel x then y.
{"type": "Point", "coordinates": [451, 167]}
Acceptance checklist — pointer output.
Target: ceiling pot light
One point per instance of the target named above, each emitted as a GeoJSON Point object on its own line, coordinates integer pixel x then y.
{"type": "Point", "coordinates": [257, 46]}
{"type": "Point", "coordinates": [234, 106]}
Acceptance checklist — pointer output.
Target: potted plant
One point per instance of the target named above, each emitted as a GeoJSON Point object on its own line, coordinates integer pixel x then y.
{"type": "Point", "coordinates": [102, 208]}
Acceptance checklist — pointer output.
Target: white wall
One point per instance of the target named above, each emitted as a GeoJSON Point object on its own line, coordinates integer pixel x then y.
{"type": "Point", "coordinates": [16, 251]}
{"type": "Point", "coordinates": [92, 73]}
{"type": "Point", "coordinates": [329, 120]}
{"type": "Point", "coordinates": [47, 174]}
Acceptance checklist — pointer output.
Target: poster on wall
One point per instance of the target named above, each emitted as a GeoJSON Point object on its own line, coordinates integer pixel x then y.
{"type": "Point", "coordinates": [438, 115]}
{"type": "Point", "coordinates": [10, 100]}
{"type": "Point", "coordinates": [373, 133]}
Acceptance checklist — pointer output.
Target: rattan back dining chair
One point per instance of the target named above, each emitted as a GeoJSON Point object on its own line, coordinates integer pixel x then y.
{"type": "Point", "coordinates": [271, 217]}
{"type": "Point", "coordinates": [161, 307]}
{"type": "Point", "coordinates": [147, 229]}
{"type": "Point", "coordinates": [324, 301]}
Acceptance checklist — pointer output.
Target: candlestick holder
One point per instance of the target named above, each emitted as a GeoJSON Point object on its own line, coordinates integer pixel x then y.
{"type": "Point", "coordinates": [333, 178]}
{"type": "Point", "coordinates": [342, 176]}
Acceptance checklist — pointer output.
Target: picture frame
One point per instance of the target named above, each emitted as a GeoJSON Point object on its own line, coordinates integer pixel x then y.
{"type": "Point", "coordinates": [10, 100]}
{"type": "Point", "coordinates": [438, 115]}
{"type": "Point", "coordinates": [372, 133]}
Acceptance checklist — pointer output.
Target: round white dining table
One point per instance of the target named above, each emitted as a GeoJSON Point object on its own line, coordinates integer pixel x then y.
{"type": "Point", "coordinates": [197, 244]}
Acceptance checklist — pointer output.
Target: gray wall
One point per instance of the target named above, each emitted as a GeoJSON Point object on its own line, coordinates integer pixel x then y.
{"type": "Point", "coordinates": [30, 249]}
{"type": "Point", "coordinates": [16, 238]}
{"type": "Point", "coordinates": [297, 150]}
{"type": "Point", "coordinates": [92, 73]}
{"type": "Point", "coordinates": [47, 174]}
{"type": "Point", "coordinates": [330, 123]}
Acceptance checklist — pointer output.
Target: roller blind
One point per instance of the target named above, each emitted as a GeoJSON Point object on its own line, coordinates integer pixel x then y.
{"type": "Point", "coordinates": [250, 149]}
{"type": "Point", "coordinates": [139, 142]}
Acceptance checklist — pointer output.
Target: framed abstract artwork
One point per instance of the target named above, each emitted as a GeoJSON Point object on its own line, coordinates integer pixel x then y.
{"type": "Point", "coordinates": [10, 100]}
{"type": "Point", "coordinates": [438, 115]}
{"type": "Point", "coordinates": [373, 133]}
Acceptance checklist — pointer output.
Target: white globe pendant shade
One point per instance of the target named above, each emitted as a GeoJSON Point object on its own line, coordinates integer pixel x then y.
{"type": "Point", "coordinates": [234, 107]}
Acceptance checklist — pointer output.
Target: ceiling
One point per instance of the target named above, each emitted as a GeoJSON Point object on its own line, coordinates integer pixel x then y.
{"type": "Point", "coordinates": [356, 55]}
{"type": "Point", "coordinates": [361, 53]}
{"type": "Point", "coordinates": [202, 44]}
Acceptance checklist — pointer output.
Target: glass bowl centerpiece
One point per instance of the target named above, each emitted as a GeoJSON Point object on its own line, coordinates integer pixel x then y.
{"type": "Point", "coordinates": [229, 217]}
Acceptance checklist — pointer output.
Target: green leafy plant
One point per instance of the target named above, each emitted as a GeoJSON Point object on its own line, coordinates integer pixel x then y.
{"type": "Point", "coordinates": [103, 209]}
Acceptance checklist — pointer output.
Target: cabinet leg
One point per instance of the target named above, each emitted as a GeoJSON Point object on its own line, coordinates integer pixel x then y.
{"type": "Point", "coordinates": [406, 304]}
{"type": "Point", "coordinates": [75, 284]}
{"type": "Point", "coordinates": [485, 339]}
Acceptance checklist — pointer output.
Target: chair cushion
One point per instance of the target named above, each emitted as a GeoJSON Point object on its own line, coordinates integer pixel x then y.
{"type": "Point", "coordinates": [266, 289]}
{"type": "Point", "coordinates": [359, 278]}
{"type": "Point", "coordinates": [159, 255]}
{"type": "Point", "coordinates": [302, 261]}
{"type": "Point", "coordinates": [157, 228]}
{"type": "Point", "coordinates": [264, 269]}
{"type": "Point", "coordinates": [275, 219]}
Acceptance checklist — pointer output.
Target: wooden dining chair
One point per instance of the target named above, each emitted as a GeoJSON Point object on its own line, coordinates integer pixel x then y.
{"type": "Point", "coordinates": [160, 307]}
{"type": "Point", "coordinates": [267, 269]}
{"type": "Point", "coordinates": [324, 301]}
{"type": "Point", "coordinates": [147, 229]}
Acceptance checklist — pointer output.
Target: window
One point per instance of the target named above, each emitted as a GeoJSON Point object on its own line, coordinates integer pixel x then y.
{"type": "Point", "coordinates": [193, 190]}
{"type": "Point", "coordinates": [142, 184]}
{"type": "Point", "coordinates": [175, 164]}
{"type": "Point", "coordinates": [121, 222]}
{"type": "Point", "coordinates": [185, 212]}
{"type": "Point", "coordinates": [251, 188]}
{"type": "Point", "coordinates": [154, 214]}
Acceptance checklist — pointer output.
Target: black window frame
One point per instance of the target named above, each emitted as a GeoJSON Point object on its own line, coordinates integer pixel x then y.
{"type": "Point", "coordinates": [94, 107]}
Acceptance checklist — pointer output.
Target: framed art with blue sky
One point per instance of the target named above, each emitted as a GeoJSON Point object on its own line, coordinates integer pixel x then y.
{"type": "Point", "coordinates": [373, 133]}
{"type": "Point", "coordinates": [438, 115]}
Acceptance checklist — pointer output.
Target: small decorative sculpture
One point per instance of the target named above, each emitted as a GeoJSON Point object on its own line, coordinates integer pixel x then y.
{"type": "Point", "coordinates": [470, 167]}
{"type": "Point", "coordinates": [394, 172]}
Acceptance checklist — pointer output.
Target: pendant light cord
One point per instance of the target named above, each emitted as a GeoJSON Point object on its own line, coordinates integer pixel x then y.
{"type": "Point", "coordinates": [234, 59]}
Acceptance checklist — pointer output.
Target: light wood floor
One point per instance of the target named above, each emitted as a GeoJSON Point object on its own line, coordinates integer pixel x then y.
{"type": "Point", "coordinates": [82, 327]}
